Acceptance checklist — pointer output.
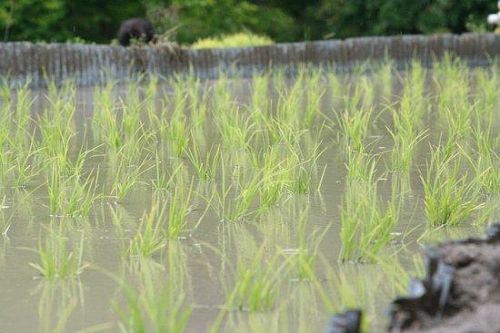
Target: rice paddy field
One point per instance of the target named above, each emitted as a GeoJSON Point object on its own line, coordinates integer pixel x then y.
{"type": "Point", "coordinates": [261, 204]}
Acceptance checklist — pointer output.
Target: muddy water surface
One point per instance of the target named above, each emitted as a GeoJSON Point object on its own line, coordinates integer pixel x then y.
{"type": "Point", "coordinates": [199, 269]}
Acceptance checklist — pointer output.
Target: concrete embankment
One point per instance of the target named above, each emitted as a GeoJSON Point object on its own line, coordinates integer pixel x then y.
{"type": "Point", "coordinates": [22, 62]}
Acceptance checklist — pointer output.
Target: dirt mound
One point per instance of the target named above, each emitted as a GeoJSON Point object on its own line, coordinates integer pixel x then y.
{"type": "Point", "coordinates": [461, 292]}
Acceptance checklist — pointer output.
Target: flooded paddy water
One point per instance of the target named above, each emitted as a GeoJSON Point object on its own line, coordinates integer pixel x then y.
{"type": "Point", "coordinates": [261, 204]}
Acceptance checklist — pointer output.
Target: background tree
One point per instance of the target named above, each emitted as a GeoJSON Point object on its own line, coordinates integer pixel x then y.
{"type": "Point", "coordinates": [62, 20]}
{"type": "Point", "coordinates": [197, 19]}
{"type": "Point", "coordinates": [346, 18]}
{"type": "Point", "coordinates": [282, 20]}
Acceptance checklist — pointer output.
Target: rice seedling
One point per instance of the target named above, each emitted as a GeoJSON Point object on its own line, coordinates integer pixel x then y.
{"type": "Point", "coordinates": [290, 101]}
{"type": "Point", "coordinates": [205, 168]}
{"type": "Point", "coordinates": [454, 109]}
{"type": "Point", "coordinates": [407, 119]}
{"type": "Point", "coordinates": [414, 88]}
{"type": "Point", "coordinates": [288, 135]}
{"type": "Point", "coordinates": [483, 157]}
{"type": "Point", "coordinates": [301, 180]}
{"type": "Point", "coordinates": [272, 164]}
{"type": "Point", "coordinates": [355, 119]}
{"type": "Point", "coordinates": [271, 190]}
{"type": "Point", "coordinates": [61, 107]}
{"type": "Point", "coordinates": [459, 128]}
{"type": "Point", "coordinates": [292, 166]}
{"type": "Point", "coordinates": [125, 175]}
{"type": "Point", "coordinates": [5, 115]}
{"type": "Point", "coordinates": [199, 118]}
{"type": "Point", "coordinates": [235, 207]}
{"type": "Point", "coordinates": [158, 121]}
{"type": "Point", "coordinates": [22, 115]}
{"type": "Point", "coordinates": [131, 112]}
{"type": "Point", "coordinates": [179, 208]}
{"type": "Point", "coordinates": [305, 171]}
{"type": "Point", "coordinates": [450, 197]}
{"type": "Point", "coordinates": [197, 102]}
{"type": "Point", "coordinates": [105, 126]}
{"type": "Point", "coordinates": [178, 131]}
{"type": "Point", "coordinates": [24, 164]}
{"type": "Point", "coordinates": [365, 224]}
{"type": "Point", "coordinates": [132, 130]}
{"type": "Point", "coordinates": [314, 95]}
{"type": "Point", "coordinates": [167, 219]}
{"type": "Point", "coordinates": [367, 92]}
{"type": "Point", "coordinates": [128, 133]}
{"type": "Point", "coordinates": [360, 167]}
{"type": "Point", "coordinates": [488, 173]}
{"type": "Point", "coordinates": [55, 123]}
{"type": "Point", "coordinates": [384, 73]}
{"type": "Point", "coordinates": [55, 145]}
{"type": "Point", "coordinates": [150, 237]}
{"type": "Point", "coordinates": [233, 200]}
{"type": "Point", "coordinates": [260, 101]}
{"type": "Point", "coordinates": [484, 162]}
{"type": "Point", "coordinates": [337, 89]}
{"type": "Point", "coordinates": [235, 129]}
{"type": "Point", "coordinates": [74, 197]}
{"type": "Point", "coordinates": [265, 122]}
{"type": "Point", "coordinates": [165, 173]}
{"type": "Point", "coordinates": [405, 134]}
{"type": "Point", "coordinates": [6, 97]}
{"type": "Point", "coordinates": [71, 195]}
{"type": "Point", "coordinates": [150, 99]}
{"type": "Point", "coordinates": [486, 97]}
{"type": "Point", "coordinates": [133, 144]}
{"type": "Point", "coordinates": [56, 258]}
{"type": "Point", "coordinates": [170, 125]}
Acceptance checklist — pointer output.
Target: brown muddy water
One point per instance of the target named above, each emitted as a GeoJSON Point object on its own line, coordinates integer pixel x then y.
{"type": "Point", "coordinates": [194, 272]}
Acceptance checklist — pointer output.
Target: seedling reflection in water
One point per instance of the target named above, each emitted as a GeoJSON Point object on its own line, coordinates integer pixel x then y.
{"type": "Point", "coordinates": [56, 260]}
{"type": "Point", "coordinates": [159, 306]}
{"type": "Point", "coordinates": [257, 284]}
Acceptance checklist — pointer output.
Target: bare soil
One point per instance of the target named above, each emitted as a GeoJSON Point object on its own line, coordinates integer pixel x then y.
{"type": "Point", "coordinates": [461, 292]}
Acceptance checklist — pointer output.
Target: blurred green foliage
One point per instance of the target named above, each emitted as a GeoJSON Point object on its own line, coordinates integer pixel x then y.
{"type": "Point", "coordinates": [186, 21]}
{"type": "Point", "coordinates": [389, 17]}
{"type": "Point", "coordinates": [62, 20]}
{"type": "Point", "coordinates": [240, 39]}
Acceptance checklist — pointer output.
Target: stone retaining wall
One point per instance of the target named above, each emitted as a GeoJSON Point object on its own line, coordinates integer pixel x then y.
{"type": "Point", "coordinates": [94, 64]}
